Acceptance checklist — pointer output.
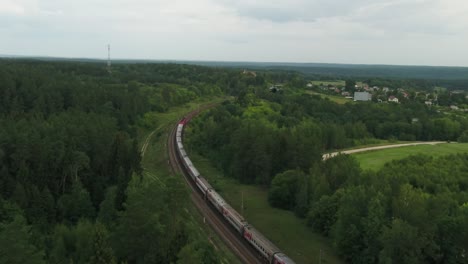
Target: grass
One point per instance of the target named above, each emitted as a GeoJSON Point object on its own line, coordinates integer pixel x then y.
{"type": "Point", "coordinates": [337, 83]}
{"type": "Point", "coordinates": [374, 160]}
{"type": "Point", "coordinates": [326, 83]}
{"type": "Point", "coordinates": [334, 98]}
{"type": "Point", "coordinates": [282, 227]}
{"type": "Point", "coordinates": [156, 168]}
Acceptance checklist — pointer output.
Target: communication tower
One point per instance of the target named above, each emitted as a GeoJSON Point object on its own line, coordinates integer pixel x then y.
{"type": "Point", "coordinates": [108, 59]}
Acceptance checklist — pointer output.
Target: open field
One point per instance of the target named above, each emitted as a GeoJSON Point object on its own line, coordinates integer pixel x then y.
{"type": "Point", "coordinates": [337, 83]}
{"type": "Point", "coordinates": [282, 227]}
{"type": "Point", "coordinates": [366, 149]}
{"type": "Point", "coordinates": [334, 98]}
{"type": "Point", "coordinates": [374, 160]}
{"type": "Point", "coordinates": [156, 168]}
{"type": "Point", "coordinates": [326, 83]}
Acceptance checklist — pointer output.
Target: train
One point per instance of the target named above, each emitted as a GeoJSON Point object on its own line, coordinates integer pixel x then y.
{"type": "Point", "coordinates": [269, 252]}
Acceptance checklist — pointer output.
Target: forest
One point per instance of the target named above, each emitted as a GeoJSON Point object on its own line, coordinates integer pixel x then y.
{"type": "Point", "coordinates": [411, 211]}
{"type": "Point", "coordinates": [72, 188]}
{"type": "Point", "coordinates": [71, 184]}
{"type": "Point", "coordinates": [266, 133]}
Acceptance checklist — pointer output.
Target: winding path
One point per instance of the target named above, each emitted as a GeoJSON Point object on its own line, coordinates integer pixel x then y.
{"type": "Point", "coordinates": [352, 151]}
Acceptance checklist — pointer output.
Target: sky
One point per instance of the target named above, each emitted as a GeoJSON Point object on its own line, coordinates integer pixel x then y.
{"type": "Point", "coordinates": [402, 32]}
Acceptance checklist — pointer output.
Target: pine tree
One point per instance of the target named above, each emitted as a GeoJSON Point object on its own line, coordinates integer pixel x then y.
{"type": "Point", "coordinates": [15, 245]}
{"type": "Point", "coordinates": [102, 252]}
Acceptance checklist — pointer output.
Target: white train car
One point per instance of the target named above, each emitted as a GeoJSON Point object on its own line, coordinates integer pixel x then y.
{"type": "Point", "coordinates": [234, 218]}
{"type": "Point", "coordinates": [180, 127]}
{"type": "Point", "coordinates": [194, 172]}
{"type": "Point", "coordinates": [216, 200]}
{"type": "Point", "coordinates": [190, 168]}
{"type": "Point", "coordinates": [281, 258]}
{"type": "Point", "coordinates": [182, 152]}
{"type": "Point", "coordinates": [259, 242]}
{"type": "Point", "coordinates": [203, 185]}
{"type": "Point", "coordinates": [180, 146]}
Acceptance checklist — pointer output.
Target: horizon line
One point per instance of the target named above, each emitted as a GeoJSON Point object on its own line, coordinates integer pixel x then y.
{"type": "Point", "coordinates": [11, 56]}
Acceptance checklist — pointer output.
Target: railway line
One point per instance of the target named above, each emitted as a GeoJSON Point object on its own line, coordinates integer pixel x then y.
{"type": "Point", "coordinates": [231, 238]}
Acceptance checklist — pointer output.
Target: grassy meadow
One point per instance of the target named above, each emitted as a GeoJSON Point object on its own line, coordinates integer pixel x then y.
{"type": "Point", "coordinates": [334, 98]}
{"type": "Point", "coordinates": [374, 160]}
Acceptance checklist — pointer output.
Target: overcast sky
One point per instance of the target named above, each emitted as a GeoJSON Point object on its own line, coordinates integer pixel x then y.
{"type": "Point", "coordinates": [416, 32]}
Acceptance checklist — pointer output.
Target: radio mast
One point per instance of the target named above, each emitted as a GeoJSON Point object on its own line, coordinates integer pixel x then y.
{"type": "Point", "coordinates": [108, 59]}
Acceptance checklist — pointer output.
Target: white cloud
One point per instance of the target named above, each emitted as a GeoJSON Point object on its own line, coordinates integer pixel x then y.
{"type": "Point", "coordinates": [359, 31]}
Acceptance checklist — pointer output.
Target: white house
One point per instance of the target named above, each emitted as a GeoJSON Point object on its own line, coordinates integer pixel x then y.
{"type": "Point", "coordinates": [362, 96]}
{"type": "Point", "coordinates": [393, 99]}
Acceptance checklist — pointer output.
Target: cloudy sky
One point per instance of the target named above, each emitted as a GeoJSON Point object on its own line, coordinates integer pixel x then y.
{"type": "Point", "coordinates": [415, 32]}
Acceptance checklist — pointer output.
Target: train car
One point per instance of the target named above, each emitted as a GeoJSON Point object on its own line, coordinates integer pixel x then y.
{"type": "Point", "coordinates": [259, 242]}
{"type": "Point", "coordinates": [180, 146]}
{"type": "Point", "coordinates": [281, 258]}
{"type": "Point", "coordinates": [190, 168]}
{"type": "Point", "coordinates": [203, 185]}
{"type": "Point", "coordinates": [216, 200]}
{"type": "Point", "coordinates": [187, 162]}
{"type": "Point", "coordinates": [180, 127]}
{"type": "Point", "coordinates": [194, 172]}
{"type": "Point", "coordinates": [234, 218]}
{"type": "Point", "coordinates": [182, 152]}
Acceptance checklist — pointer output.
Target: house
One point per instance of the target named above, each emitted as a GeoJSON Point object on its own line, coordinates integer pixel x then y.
{"type": "Point", "coordinates": [393, 99]}
{"type": "Point", "coordinates": [309, 85]}
{"type": "Point", "coordinates": [429, 103]}
{"type": "Point", "coordinates": [454, 107]}
{"type": "Point", "coordinates": [385, 89]}
{"type": "Point", "coordinates": [457, 92]}
{"type": "Point", "coordinates": [362, 96]}
{"type": "Point", "coordinates": [276, 88]}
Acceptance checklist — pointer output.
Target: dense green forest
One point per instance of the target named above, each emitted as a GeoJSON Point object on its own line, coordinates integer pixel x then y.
{"type": "Point", "coordinates": [71, 181]}
{"type": "Point", "coordinates": [72, 188]}
{"type": "Point", "coordinates": [412, 211]}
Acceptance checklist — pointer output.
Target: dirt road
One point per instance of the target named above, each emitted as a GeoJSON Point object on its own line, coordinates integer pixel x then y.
{"type": "Point", "coordinates": [352, 151]}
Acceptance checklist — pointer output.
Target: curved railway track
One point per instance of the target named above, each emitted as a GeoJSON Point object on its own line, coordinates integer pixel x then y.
{"type": "Point", "coordinates": [231, 237]}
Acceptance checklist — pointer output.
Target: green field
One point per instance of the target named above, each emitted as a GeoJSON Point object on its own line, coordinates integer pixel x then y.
{"type": "Point", "coordinates": [374, 160]}
{"type": "Point", "coordinates": [282, 227]}
{"type": "Point", "coordinates": [326, 83]}
{"type": "Point", "coordinates": [156, 168]}
{"type": "Point", "coordinates": [337, 83]}
{"type": "Point", "coordinates": [334, 98]}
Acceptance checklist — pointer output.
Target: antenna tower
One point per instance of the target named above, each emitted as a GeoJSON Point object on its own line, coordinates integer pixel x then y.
{"type": "Point", "coordinates": [108, 59]}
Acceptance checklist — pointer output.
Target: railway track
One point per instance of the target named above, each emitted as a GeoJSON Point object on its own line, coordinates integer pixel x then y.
{"type": "Point", "coordinates": [231, 238]}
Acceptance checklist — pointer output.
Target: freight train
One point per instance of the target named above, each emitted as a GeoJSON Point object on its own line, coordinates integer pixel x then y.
{"type": "Point", "coordinates": [269, 252]}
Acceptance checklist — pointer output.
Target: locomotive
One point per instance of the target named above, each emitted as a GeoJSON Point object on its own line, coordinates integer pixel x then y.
{"type": "Point", "coordinates": [260, 243]}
